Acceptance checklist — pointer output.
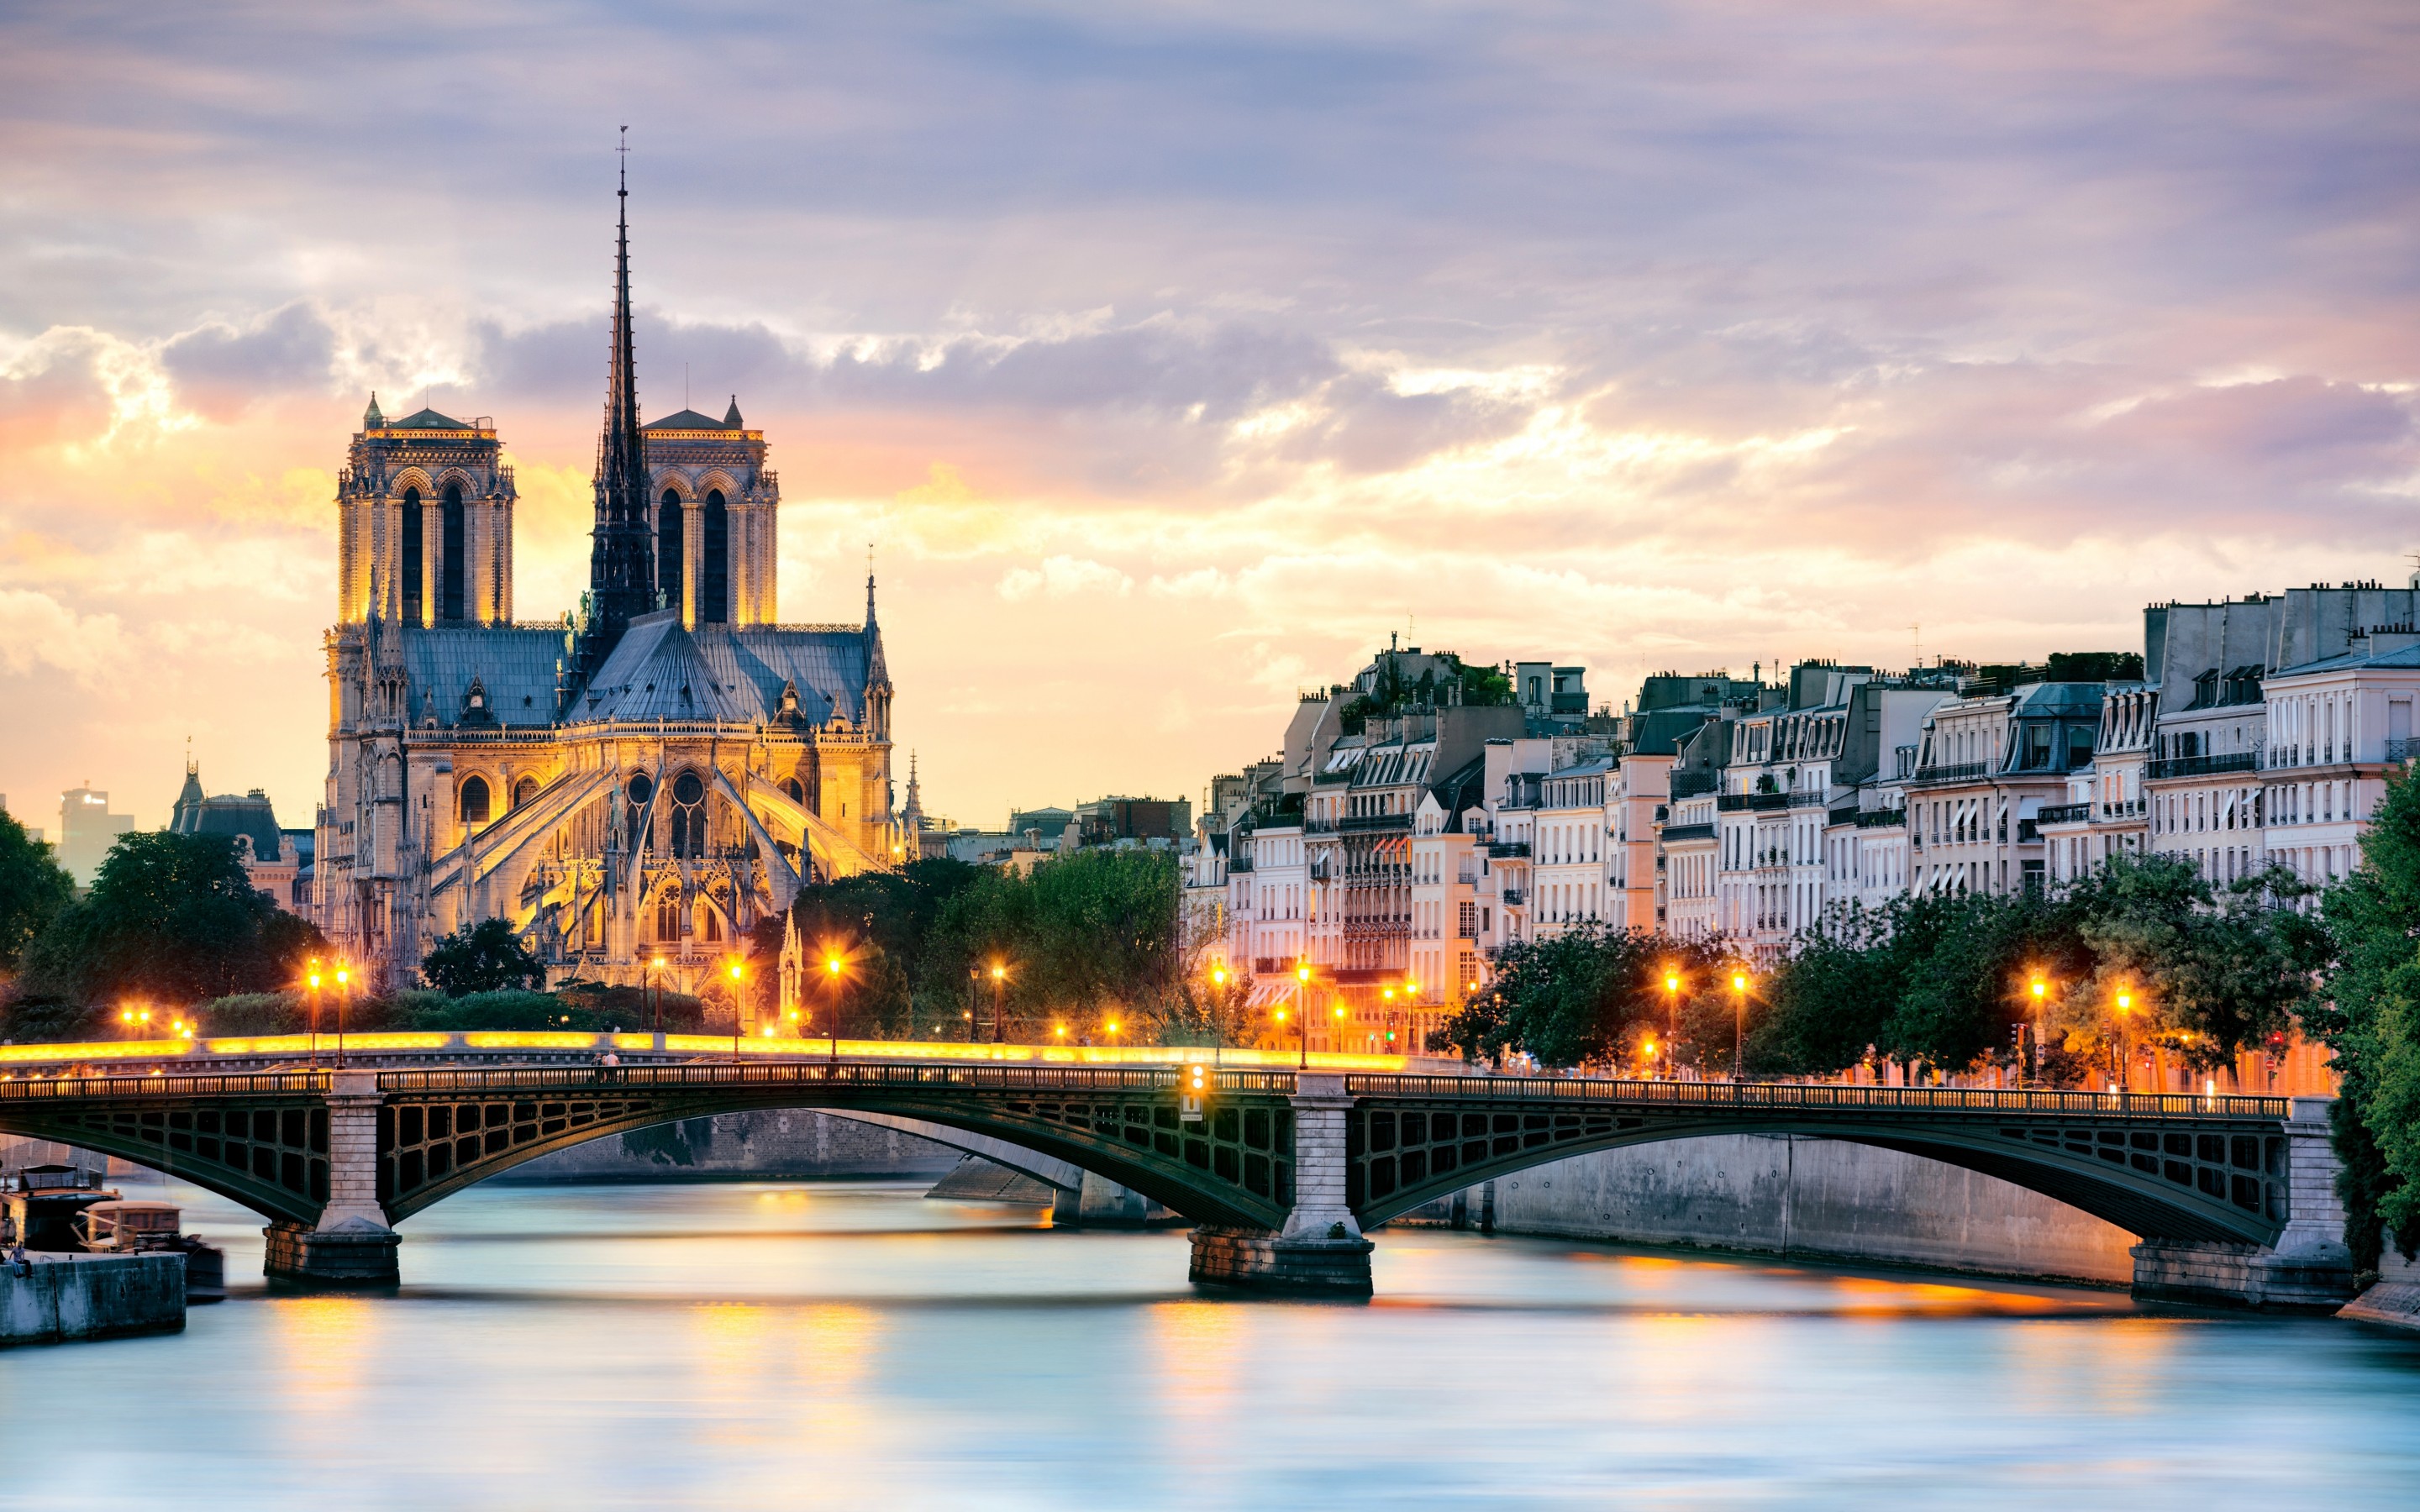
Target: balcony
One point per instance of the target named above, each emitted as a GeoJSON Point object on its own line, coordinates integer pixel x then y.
{"type": "Point", "coordinates": [1366, 824]}
{"type": "Point", "coordinates": [2234, 761]}
{"type": "Point", "coordinates": [1806, 798]}
{"type": "Point", "coordinates": [2401, 751]}
{"type": "Point", "coordinates": [1954, 772]}
{"type": "Point", "coordinates": [1881, 818]}
{"type": "Point", "coordinates": [2065, 814]}
{"type": "Point", "coordinates": [1692, 784]}
{"type": "Point", "coordinates": [1515, 897]}
{"type": "Point", "coordinates": [1674, 834]}
{"type": "Point", "coordinates": [1754, 802]}
{"type": "Point", "coordinates": [1509, 849]}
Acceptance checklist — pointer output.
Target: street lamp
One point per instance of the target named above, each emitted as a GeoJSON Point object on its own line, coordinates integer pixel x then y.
{"type": "Point", "coordinates": [656, 976]}
{"type": "Point", "coordinates": [1301, 1021]}
{"type": "Point", "coordinates": [1217, 1009]}
{"type": "Point", "coordinates": [1739, 1023]}
{"type": "Point", "coordinates": [315, 1012]}
{"type": "Point", "coordinates": [737, 1003]}
{"type": "Point", "coordinates": [833, 976]}
{"type": "Point", "coordinates": [998, 991]}
{"type": "Point", "coordinates": [343, 1002]}
{"type": "Point", "coordinates": [2124, 1072]}
{"type": "Point", "coordinates": [1671, 1018]}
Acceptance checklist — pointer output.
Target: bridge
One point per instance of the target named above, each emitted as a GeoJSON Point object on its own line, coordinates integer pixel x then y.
{"type": "Point", "coordinates": [1281, 1171]}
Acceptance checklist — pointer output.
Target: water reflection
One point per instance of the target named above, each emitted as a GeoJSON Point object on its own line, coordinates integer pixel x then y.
{"type": "Point", "coordinates": [849, 1345]}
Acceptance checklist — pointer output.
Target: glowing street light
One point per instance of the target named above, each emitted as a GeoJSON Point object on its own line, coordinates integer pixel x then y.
{"type": "Point", "coordinates": [999, 995]}
{"type": "Point", "coordinates": [1301, 1019]}
{"type": "Point", "coordinates": [344, 1002]}
{"type": "Point", "coordinates": [1671, 1017]}
{"type": "Point", "coordinates": [1739, 1023]}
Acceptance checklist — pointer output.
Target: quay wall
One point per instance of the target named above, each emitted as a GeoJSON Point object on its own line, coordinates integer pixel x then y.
{"type": "Point", "coordinates": [65, 1297]}
{"type": "Point", "coordinates": [2394, 1297]}
{"type": "Point", "coordinates": [1795, 1194]}
{"type": "Point", "coordinates": [770, 1145]}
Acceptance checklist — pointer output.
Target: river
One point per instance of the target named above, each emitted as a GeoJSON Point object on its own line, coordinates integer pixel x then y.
{"type": "Point", "coordinates": [741, 1346]}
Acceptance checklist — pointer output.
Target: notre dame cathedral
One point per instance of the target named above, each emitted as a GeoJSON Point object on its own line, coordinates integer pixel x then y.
{"type": "Point", "coordinates": [641, 780]}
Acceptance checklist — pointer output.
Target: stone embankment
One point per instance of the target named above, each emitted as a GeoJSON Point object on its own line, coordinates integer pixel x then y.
{"type": "Point", "coordinates": [2396, 1297]}
{"type": "Point", "coordinates": [65, 1297]}
{"type": "Point", "coordinates": [1803, 1198]}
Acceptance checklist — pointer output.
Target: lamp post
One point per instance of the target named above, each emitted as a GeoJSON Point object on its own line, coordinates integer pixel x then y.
{"type": "Point", "coordinates": [656, 1010]}
{"type": "Point", "coordinates": [738, 1026]}
{"type": "Point", "coordinates": [2123, 1071]}
{"type": "Point", "coordinates": [315, 1012]}
{"type": "Point", "coordinates": [1301, 1019]}
{"type": "Point", "coordinates": [343, 1002]}
{"type": "Point", "coordinates": [999, 995]}
{"type": "Point", "coordinates": [832, 974]}
{"type": "Point", "coordinates": [1671, 1018]}
{"type": "Point", "coordinates": [1217, 1005]}
{"type": "Point", "coordinates": [1739, 1024]}
{"type": "Point", "coordinates": [2041, 990]}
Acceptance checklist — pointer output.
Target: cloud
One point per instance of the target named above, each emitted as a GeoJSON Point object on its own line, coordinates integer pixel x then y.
{"type": "Point", "coordinates": [1644, 333]}
{"type": "Point", "coordinates": [1063, 578]}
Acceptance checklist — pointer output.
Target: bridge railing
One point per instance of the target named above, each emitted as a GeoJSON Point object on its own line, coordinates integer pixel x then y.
{"type": "Point", "coordinates": [248, 1084]}
{"type": "Point", "coordinates": [1790, 1095]}
{"type": "Point", "coordinates": [815, 1074]}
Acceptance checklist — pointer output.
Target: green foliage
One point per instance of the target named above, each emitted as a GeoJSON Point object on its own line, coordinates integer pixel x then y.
{"type": "Point", "coordinates": [34, 891]}
{"type": "Point", "coordinates": [485, 957]}
{"type": "Point", "coordinates": [2370, 1017]}
{"type": "Point", "coordinates": [171, 919]}
{"type": "Point", "coordinates": [1391, 692]}
{"type": "Point", "coordinates": [1086, 937]}
{"type": "Point", "coordinates": [883, 924]}
{"type": "Point", "coordinates": [2094, 667]}
{"type": "Point", "coordinates": [1943, 980]}
{"type": "Point", "coordinates": [1594, 997]}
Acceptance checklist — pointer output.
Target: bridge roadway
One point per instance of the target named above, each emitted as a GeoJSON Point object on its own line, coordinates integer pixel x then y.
{"type": "Point", "coordinates": [1282, 1172]}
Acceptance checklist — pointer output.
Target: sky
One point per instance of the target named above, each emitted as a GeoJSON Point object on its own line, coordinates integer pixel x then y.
{"type": "Point", "coordinates": [1171, 357]}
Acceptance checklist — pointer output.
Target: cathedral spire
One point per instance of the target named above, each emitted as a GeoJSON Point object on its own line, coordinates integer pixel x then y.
{"type": "Point", "coordinates": [621, 559]}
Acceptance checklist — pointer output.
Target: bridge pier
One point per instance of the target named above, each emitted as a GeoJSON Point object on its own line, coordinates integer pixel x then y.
{"type": "Point", "coordinates": [351, 1244]}
{"type": "Point", "coordinates": [2308, 1269]}
{"type": "Point", "coordinates": [1320, 1252]}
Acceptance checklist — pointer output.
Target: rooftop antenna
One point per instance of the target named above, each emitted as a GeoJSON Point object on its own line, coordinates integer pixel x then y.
{"type": "Point", "coordinates": [1917, 632]}
{"type": "Point", "coordinates": [684, 385]}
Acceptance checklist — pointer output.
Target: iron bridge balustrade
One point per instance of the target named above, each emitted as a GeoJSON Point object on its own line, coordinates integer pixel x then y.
{"type": "Point", "coordinates": [258, 1138]}
{"type": "Point", "coordinates": [440, 1131]}
{"type": "Point", "coordinates": [2163, 1165]}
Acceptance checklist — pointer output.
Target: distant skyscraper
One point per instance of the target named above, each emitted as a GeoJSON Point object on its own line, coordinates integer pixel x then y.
{"type": "Point", "coordinates": [86, 831]}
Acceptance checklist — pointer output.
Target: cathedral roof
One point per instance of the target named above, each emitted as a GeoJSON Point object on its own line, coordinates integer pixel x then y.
{"type": "Point", "coordinates": [655, 672]}
{"type": "Point", "coordinates": [734, 674]}
{"type": "Point", "coordinates": [692, 420]}
{"type": "Point", "coordinates": [249, 815]}
{"type": "Point", "coordinates": [428, 420]}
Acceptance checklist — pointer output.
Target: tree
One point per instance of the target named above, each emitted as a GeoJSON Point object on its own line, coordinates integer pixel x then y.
{"type": "Point", "coordinates": [170, 918]}
{"type": "Point", "coordinates": [484, 957]}
{"type": "Point", "coordinates": [2369, 1015]}
{"type": "Point", "coordinates": [34, 889]}
{"type": "Point", "coordinates": [1590, 996]}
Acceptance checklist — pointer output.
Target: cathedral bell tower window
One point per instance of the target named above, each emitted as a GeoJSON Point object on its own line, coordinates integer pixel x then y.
{"type": "Point", "coordinates": [414, 567]}
{"type": "Point", "coordinates": [714, 564]}
{"type": "Point", "coordinates": [668, 550]}
{"type": "Point", "coordinates": [474, 801]}
{"type": "Point", "coordinates": [450, 586]}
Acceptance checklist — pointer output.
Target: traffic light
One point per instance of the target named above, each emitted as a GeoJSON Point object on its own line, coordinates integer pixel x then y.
{"type": "Point", "coordinates": [1193, 1088]}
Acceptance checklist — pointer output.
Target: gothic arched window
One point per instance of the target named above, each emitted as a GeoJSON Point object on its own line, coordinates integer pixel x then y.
{"type": "Point", "coordinates": [450, 585]}
{"type": "Point", "coordinates": [411, 556]}
{"type": "Point", "coordinates": [689, 816]}
{"type": "Point", "coordinates": [524, 790]}
{"type": "Point", "coordinates": [668, 548]}
{"type": "Point", "coordinates": [668, 918]}
{"type": "Point", "coordinates": [642, 788]}
{"type": "Point", "coordinates": [475, 800]}
{"type": "Point", "coordinates": [797, 795]}
{"type": "Point", "coordinates": [714, 564]}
